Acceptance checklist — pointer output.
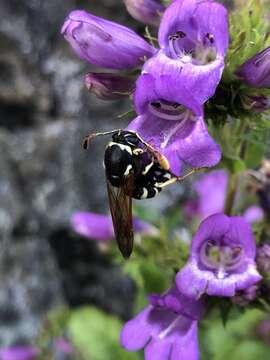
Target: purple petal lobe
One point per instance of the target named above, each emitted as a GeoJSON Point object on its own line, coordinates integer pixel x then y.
{"type": "Point", "coordinates": [104, 43]}
{"type": "Point", "coordinates": [179, 304]}
{"type": "Point", "coordinates": [200, 81]}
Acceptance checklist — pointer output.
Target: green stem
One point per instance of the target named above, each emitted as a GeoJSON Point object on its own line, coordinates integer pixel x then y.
{"type": "Point", "coordinates": [234, 182]}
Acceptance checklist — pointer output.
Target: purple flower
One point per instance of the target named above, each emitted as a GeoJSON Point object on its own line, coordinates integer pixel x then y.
{"type": "Point", "coordinates": [164, 333]}
{"type": "Point", "coordinates": [19, 353]}
{"type": "Point", "coordinates": [64, 346]}
{"type": "Point", "coordinates": [146, 11]}
{"type": "Point", "coordinates": [193, 37]}
{"type": "Point", "coordinates": [256, 70]}
{"type": "Point", "coordinates": [172, 121]}
{"type": "Point", "coordinates": [222, 259]}
{"type": "Point", "coordinates": [253, 214]}
{"type": "Point", "coordinates": [211, 189]}
{"type": "Point", "coordinates": [100, 227]}
{"type": "Point", "coordinates": [104, 43]}
{"type": "Point", "coordinates": [109, 86]}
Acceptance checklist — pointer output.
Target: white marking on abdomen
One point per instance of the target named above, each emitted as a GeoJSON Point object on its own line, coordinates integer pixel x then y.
{"type": "Point", "coordinates": [129, 167]}
{"type": "Point", "coordinates": [145, 193]}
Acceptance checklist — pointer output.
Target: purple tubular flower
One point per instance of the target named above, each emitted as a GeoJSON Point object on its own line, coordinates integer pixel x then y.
{"type": "Point", "coordinates": [193, 37]}
{"type": "Point", "coordinates": [109, 86]}
{"type": "Point", "coordinates": [256, 70]}
{"type": "Point", "coordinates": [164, 334]}
{"type": "Point", "coordinates": [172, 121]}
{"type": "Point", "coordinates": [104, 43]}
{"type": "Point", "coordinates": [253, 214]}
{"type": "Point", "coordinates": [100, 227]}
{"type": "Point", "coordinates": [145, 11]}
{"type": "Point", "coordinates": [211, 189]}
{"type": "Point", "coordinates": [256, 103]}
{"type": "Point", "coordinates": [19, 353]}
{"type": "Point", "coordinates": [222, 259]}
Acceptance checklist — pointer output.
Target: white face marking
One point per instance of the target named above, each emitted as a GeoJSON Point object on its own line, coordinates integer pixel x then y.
{"type": "Point", "coordinates": [147, 168]}
{"type": "Point", "coordinates": [129, 167]}
{"type": "Point", "coordinates": [145, 193]}
{"type": "Point", "coordinates": [122, 146]}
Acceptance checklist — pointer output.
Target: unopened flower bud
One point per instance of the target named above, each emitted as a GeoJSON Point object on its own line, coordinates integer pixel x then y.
{"type": "Point", "coordinates": [256, 70]}
{"type": "Point", "coordinates": [145, 11]}
{"type": "Point", "coordinates": [104, 43]}
{"type": "Point", "coordinates": [259, 103]}
{"type": "Point", "coordinates": [244, 297]}
{"type": "Point", "coordinates": [108, 86]}
{"type": "Point", "coordinates": [263, 258]}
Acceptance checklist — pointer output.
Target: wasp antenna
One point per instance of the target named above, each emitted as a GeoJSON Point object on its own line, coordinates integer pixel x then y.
{"type": "Point", "coordinates": [88, 138]}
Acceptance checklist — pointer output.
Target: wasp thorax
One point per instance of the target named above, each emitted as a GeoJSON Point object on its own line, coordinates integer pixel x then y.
{"type": "Point", "coordinates": [118, 161]}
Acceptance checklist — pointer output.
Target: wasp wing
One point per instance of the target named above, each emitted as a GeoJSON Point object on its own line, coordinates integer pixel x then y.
{"type": "Point", "coordinates": [121, 211]}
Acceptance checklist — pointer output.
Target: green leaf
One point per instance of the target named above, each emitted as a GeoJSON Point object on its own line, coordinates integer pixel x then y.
{"type": "Point", "coordinates": [233, 163]}
{"type": "Point", "coordinates": [96, 335]}
{"type": "Point", "coordinates": [237, 341]}
{"type": "Point", "coordinates": [254, 154]}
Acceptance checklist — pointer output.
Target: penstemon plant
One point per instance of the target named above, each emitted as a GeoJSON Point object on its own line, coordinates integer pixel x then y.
{"type": "Point", "coordinates": [201, 94]}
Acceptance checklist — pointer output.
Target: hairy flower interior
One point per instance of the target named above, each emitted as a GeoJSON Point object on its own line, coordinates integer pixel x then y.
{"type": "Point", "coordinates": [222, 259]}
{"type": "Point", "coordinates": [197, 52]}
{"type": "Point", "coordinates": [171, 111]}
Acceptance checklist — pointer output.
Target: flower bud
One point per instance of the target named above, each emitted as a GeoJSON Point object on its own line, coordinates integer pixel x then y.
{"type": "Point", "coordinates": [145, 11]}
{"type": "Point", "coordinates": [244, 297]}
{"type": "Point", "coordinates": [263, 258]}
{"type": "Point", "coordinates": [259, 103]}
{"type": "Point", "coordinates": [108, 86]}
{"type": "Point", "coordinates": [256, 71]}
{"type": "Point", "coordinates": [105, 43]}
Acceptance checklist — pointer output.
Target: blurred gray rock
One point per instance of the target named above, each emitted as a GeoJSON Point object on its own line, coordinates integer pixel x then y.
{"type": "Point", "coordinates": [45, 175]}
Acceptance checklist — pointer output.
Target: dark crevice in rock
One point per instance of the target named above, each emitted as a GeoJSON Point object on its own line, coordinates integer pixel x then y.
{"type": "Point", "coordinates": [88, 277]}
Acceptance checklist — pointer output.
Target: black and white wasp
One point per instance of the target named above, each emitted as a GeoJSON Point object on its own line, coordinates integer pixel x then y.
{"type": "Point", "coordinates": [134, 169]}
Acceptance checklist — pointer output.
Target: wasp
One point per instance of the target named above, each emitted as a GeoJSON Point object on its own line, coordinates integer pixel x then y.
{"type": "Point", "coordinates": [134, 169]}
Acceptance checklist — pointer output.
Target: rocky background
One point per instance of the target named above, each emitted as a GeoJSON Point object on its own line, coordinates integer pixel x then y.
{"type": "Point", "coordinates": [45, 175]}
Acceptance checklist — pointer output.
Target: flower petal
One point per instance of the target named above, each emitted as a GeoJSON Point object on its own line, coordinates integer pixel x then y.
{"type": "Point", "coordinates": [137, 332]}
{"type": "Point", "coordinates": [92, 225]}
{"type": "Point", "coordinates": [104, 43]}
{"type": "Point", "coordinates": [179, 304]}
{"type": "Point", "coordinates": [200, 81]}
{"type": "Point", "coordinates": [196, 19]}
{"type": "Point", "coordinates": [156, 86]}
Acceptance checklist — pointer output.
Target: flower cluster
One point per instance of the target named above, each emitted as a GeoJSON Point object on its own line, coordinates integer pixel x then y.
{"type": "Point", "coordinates": [178, 76]}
